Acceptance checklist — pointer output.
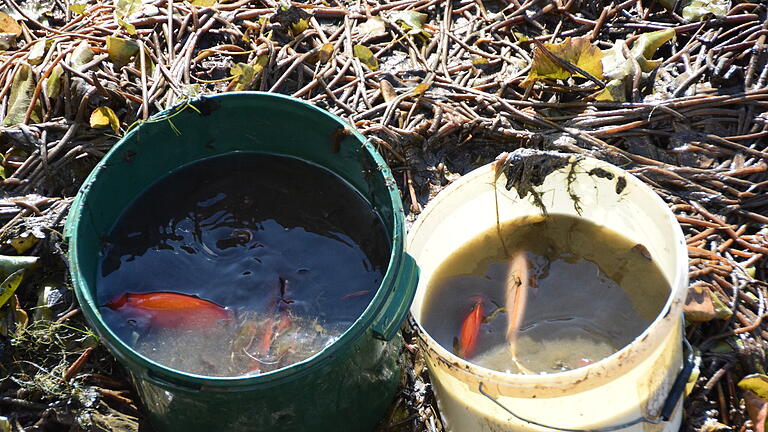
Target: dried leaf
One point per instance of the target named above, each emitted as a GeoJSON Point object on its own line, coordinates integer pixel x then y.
{"type": "Point", "coordinates": [120, 50]}
{"type": "Point", "coordinates": [757, 408]}
{"type": "Point", "coordinates": [22, 244]}
{"type": "Point", "coordinates": [103, 117]}
{"type": "Point", "coordinates": [22, 89]}
{"type": "Point", "coordinates": [81, 55]}
{"type": "Point", "coordinates": [700, 10]}
{"type": "Point", "coordinates": [372, 28]}
{"type": "Point", "coordinates": [78, 8]}
{"type": "Point", "coordinates": [9, 25]}
{"type": "Point", "coordinates": [615, 63]}
{"type": "Point", "coordinates": [37, 52]}
{"type": "Point", "coordinates": [614, 91]}
{"type": "Point", "coordinates": [577, 51]}
{"type": "Point", "coordinates": [247, 73]}
{"type": "Point", "coordinates": [420, 89]}
{"type": "Point", "coordinates": [699, 306]}
{"type": "Point", "coordinates": [326, 52]}
{"type": "Point", "coordinates": [412, 21]}
{"type": "Point", "coordinates": [646, 45]}
{"type": "Point", "coordinates": [479, 61]}
{"type": "Point", "coordinates": [757, 384]}
{"type": "Point", "coordinates": [366, 56]}
{"type": "Point", "coordinates": [9, 286]}
{"type": "Point", "coordinates": [387, 91]}
{"type": "Point", "coordinates": [203, 3]}
{"type": "Point", "coordinates": [292, 18]}
{"type": "Point", "coordinates": [124, 9]}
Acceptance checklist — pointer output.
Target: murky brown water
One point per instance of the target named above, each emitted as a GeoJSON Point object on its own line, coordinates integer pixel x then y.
{"type": "Point", "coordinates": [590, 292]}
{"type": "Point", "coordinates": [291, 251]}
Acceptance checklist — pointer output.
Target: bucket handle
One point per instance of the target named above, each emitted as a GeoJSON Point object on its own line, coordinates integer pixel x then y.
{"type": "Point", "coordinates": [691, 361]}
{"type": "Point", "coordinates": [391, 316]}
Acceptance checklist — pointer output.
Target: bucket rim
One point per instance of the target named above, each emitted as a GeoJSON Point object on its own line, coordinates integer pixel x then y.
{"type": "Point", "coordinates": [678, 289]}
{"type": "Point", "coordinates": [168, 377]}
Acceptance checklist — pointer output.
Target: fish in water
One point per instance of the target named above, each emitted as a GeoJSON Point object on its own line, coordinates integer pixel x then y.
{"type": "Point", "coordinates": [470, 330]}
{"type": "Point", "coordinates": [518, 284]}
{"type": "Point", "coordinates": [172, 310]}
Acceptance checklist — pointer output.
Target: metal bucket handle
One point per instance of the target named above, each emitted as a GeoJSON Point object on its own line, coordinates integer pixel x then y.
{"type": "Point", "coordinates": [691, 361]}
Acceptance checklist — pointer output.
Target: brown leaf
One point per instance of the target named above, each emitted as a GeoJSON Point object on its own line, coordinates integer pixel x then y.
{"type": "Point", "coordinates": [698, 305]}
{"type": "Point", "coordinates": [757, 409]}
{"type": "Point", "coordinates": [9, 25]}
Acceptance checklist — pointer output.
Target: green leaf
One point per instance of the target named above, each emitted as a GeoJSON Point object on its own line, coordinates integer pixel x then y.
{"type": "Point", "coordinates": [757, 384]}
{"type": "Point", "coordinates": [120, 50]}
{"type": "Point", "coordinates": [366, 56]}
{"type": "Point", "coordinates": [78, 8]}
{"type": "Point", "coordinates": [700, 10]}
{"type": "Point", "coordinates": [203, 3]}
{"type": "Point", "coordinates": [577, 51]}
{"type": "Point", "coordinates": [53, 82]}
{"type": "Point", "coordinates": [3, 175]}
{"type": "Point", "coordinates": [11, 264]}
{"type": "Point", "coordinates": [9, 285]}
{"type": "Point", "coordinates": [81, 55]}
{"type": "Point", "coordinates": [22, 89]}
{"type": "Point", "coordinates": [412, 21]}
{"type": "Point", "coordinates": [646, 45]}
{"type": "Point", "coordinates": [103, 117]}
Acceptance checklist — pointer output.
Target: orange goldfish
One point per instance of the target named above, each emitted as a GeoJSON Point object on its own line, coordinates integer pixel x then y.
{"type": "Point", "coordinates": [470, 331]}
{"type": "Point", "coordinates": [172, 310]}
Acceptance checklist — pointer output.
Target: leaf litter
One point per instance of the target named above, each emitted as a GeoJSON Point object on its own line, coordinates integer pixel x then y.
{"type": "Point", "coordinates": [683, 108]}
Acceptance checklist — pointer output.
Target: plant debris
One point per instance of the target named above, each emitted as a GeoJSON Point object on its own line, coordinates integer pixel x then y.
{"type": "Point", "coordinates": [681, 103]}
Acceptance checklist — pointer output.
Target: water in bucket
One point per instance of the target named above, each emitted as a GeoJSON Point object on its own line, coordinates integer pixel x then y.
{"type": "Point", "coordinates": [241, 264]}
{"type": "Point", "coordinates": [543, 294]}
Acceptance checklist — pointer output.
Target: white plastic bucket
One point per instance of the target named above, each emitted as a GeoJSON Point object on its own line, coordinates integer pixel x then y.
{"type": "Point", "coordinates": [630, 386]}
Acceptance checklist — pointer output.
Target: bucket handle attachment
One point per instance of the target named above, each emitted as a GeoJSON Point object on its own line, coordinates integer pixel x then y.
{"type": "Point", "coordinates": [391, 316]}
{"type": "Point", "coordinates": [691, 361]}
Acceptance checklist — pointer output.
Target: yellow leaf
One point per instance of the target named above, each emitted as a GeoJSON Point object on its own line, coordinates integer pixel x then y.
{"type": "Point", "coordinates": [325, 53]}
{"type": "Point", "coordinates": [22, 88]}
{"type": "Point", "coordinates": [646, 45]}
{"type": "Point", "coordinates": [420, 89]}
{"type": "Point", "coordinates": [247, 73]}
{"type": "Point", "coordinates": [480, 61]}
{"type": "Point", "coordinates": [22, 244]}
{"type": "Point", "coordinates": [577, 51]}
{"type": "Point", "coordinates": [614, 91]}
{"type": "Point", "coordinates": [203, 3]}
{"type": "Point", "coordinates": [9, 285]}
{"type": "Point", "coordinates": [366, 56]}
{"type": "Point", "coordinates": [292, 18]}
{"type": "Point", "coordinates": [103, 117]}
{"type": "Point", "coordinates": [121, 50]}
{"type": "Point", "coordinates": [9, 25]}
{"type": "Point", "coordinates": [78, 8]}
{"type": "Point", "coordinates": [126, 8]}
{"type": "Point", "coordinates": [130, 28]}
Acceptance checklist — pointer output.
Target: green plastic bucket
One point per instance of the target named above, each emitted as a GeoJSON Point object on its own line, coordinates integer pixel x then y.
{"type": "Point", "coordinates": [349, 385]}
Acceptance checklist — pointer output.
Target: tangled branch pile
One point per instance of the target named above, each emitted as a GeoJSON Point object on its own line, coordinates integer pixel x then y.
{"type": "Point", "coordinates": [675, 92]}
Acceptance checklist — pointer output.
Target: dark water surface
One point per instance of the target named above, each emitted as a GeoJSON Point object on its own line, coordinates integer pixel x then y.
{"type": "Point", "coordinates": [291, 249]}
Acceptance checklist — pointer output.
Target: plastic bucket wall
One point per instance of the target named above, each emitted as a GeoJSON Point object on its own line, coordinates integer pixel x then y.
{"type": "Point", "coordinates": [631, 383]}
{"type": "Point", "coordinates": [349, 385]}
